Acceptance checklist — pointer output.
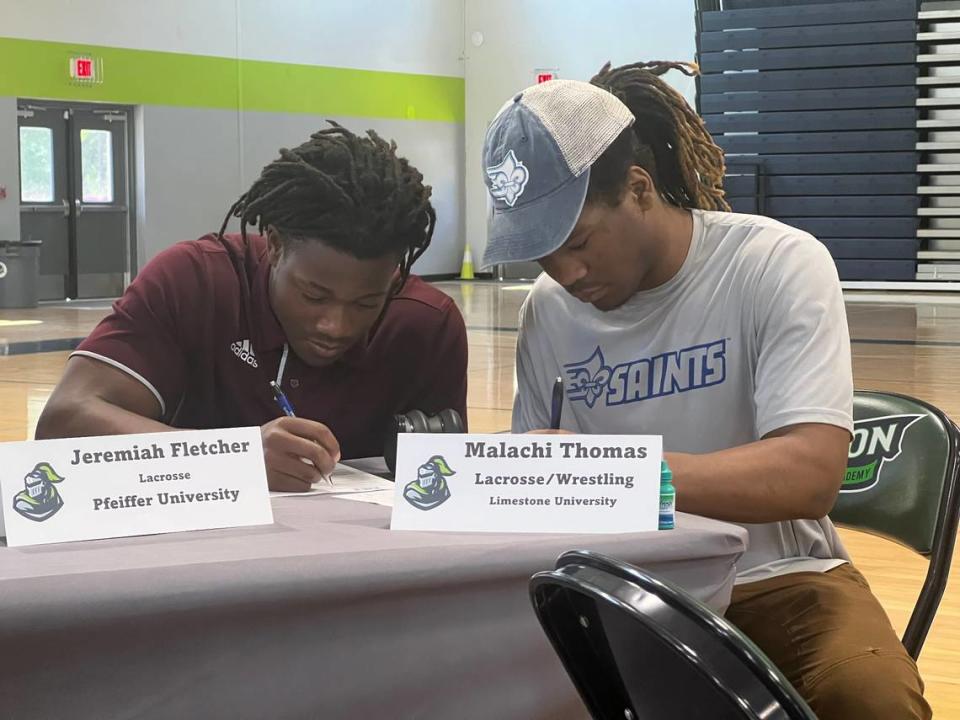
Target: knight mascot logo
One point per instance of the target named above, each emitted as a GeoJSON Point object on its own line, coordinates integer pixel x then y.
{"type": "Point", "coordinates": [430, 489]}
{"type": "Point", "coordinates": [39, 499]}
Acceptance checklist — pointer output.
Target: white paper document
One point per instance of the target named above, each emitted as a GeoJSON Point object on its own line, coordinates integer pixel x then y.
{"type": "Point", "coordinates": [346, 480]}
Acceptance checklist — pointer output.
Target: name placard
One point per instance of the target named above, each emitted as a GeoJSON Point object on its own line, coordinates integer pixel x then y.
{"type": "Point", "coordinates": [527, 483]}
{"type": "Point", "coordinates": [101, 487]}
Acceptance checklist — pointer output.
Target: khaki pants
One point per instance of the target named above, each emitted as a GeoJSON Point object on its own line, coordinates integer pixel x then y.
{"type": "Point", "coordinates": [828, 634]}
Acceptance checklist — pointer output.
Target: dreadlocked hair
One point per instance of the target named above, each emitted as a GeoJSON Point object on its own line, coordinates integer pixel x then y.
{"type": "Point", "coordinates": [668, 140]}
{"type": "Point", "coordinates": [351, 192]}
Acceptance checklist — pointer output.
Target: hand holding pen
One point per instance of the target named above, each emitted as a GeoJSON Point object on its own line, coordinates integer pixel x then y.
{"type": "Point", "coordinates": [556, 404]}
{"type": "Point", "coordinates": [298, 452]}
{"type": "Point", "coordinates": [556, 412]}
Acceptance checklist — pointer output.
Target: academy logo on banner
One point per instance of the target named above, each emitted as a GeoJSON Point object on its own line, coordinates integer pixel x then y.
{"type": "Point", "coordinates": [876, 441]}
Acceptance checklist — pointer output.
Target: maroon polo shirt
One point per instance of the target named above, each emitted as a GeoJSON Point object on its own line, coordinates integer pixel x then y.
{"type": "Point", "coordinates": [196, 328]}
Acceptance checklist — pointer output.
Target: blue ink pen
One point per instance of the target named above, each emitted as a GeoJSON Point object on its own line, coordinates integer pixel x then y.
{"type": "Point", "coordinates": [281, 399]}
{"type": "Point", "coordinates": [556, 406]}
{"type": "Point", "coordinates": [287, 409]}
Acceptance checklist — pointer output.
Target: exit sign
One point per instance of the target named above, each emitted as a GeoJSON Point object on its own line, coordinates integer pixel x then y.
{"type": "Point", "coordinates": [83, 68]}
{"type": "Point", "coordinates": [545, 74]}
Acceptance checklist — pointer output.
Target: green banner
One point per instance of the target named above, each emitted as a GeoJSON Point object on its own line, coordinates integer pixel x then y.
{"type": "Point", "coordinates": [40, 69]}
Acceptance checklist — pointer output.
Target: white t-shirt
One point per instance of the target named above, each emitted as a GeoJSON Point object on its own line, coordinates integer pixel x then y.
{"type": "Point", "coordinates": [748, 337]}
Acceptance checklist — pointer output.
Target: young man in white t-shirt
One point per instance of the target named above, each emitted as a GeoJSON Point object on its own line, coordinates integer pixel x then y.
{"type": "Point", "coordinates": [724, 333]}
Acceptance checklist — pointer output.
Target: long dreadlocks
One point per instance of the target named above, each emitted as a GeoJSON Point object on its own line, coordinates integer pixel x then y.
{"type": "Point", "coordinates": [352, 193]}
{"type": "Point", "coordinates": [668, 140]}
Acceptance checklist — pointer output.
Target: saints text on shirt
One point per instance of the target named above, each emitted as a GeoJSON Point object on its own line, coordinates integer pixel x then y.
{"type": "Point", "coordinates": [667, 373]}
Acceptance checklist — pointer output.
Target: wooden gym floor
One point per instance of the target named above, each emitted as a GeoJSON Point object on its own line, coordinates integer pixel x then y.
{"type": "Point", "coordinates": [901, 345]}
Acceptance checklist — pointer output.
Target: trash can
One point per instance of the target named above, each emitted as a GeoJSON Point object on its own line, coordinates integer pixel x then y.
{"type": "Point", "coordinates": [19, 273]}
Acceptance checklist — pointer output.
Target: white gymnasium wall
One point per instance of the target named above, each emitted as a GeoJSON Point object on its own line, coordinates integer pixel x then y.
{"type": "Point", "coordinates": [414, 36]}
{"type": "Point", "coordinates": [204, 28]}
{"type": "Point", "coordinates": [193, 162]}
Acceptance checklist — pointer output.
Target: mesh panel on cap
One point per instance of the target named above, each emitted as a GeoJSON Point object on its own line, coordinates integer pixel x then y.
{"type": "Point", "coordinates": [583, 119]}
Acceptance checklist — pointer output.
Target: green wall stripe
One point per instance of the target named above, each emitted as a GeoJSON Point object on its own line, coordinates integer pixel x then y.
{"type": "Point", "coordinates": [39, 69]}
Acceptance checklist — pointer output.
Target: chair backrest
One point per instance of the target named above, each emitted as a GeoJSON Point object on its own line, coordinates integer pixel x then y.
{"type": "Point", "coordinates": [901, 470]}
{"type": "Point", "coordinates": [902, 483]}
{"type": "Point", "coordinates": [636, 646]}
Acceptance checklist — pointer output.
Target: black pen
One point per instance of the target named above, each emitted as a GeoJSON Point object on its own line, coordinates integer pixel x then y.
{"type": "Point", "coordinates": [287, 408]}
{"type": "Point", "coordinates": [556, 407]}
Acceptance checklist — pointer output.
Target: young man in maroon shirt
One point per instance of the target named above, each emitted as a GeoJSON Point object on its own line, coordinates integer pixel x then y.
{"type": "Point", "coordinates": [321, 302]}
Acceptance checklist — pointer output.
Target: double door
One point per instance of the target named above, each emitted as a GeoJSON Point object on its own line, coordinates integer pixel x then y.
{"type": "Point", "coordinates": [75, 196]}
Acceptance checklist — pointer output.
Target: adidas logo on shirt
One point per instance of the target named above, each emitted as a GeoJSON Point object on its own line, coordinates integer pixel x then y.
{"type": "Point", "coordinates": [243, 350]}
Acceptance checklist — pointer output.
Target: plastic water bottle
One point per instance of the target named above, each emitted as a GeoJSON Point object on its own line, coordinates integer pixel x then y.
{"type": "Point", "coordinates": [668, 498]}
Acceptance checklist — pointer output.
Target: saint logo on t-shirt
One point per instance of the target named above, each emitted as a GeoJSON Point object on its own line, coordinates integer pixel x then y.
{"type": "Point", "coordinates": [678, 371]}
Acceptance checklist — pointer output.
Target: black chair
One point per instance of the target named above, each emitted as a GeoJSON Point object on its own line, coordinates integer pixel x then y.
{"type": "Point", "coordinates": [901, 483]}
{"type": "Point", "coordinates": [638, 647]}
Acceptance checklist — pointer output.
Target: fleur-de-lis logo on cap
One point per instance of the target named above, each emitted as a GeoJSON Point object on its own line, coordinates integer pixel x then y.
{"type": "Point", "coordinates": [508, 179]}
